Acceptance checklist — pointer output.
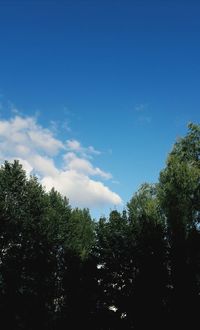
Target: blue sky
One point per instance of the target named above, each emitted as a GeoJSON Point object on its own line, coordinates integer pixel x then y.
{"type": "Point", "coordinates": [93, 94]}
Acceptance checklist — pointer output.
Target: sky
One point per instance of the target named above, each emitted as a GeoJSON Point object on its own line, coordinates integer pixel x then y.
{"type": "Point", "coordinates": [93, 94]}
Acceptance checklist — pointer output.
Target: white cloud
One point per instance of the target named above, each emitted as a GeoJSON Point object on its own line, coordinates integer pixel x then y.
{"type": "Point", "coordinates": [81, 190]}
{"type": "Point", "coordinates": [74, 145]}
{"type": "Point", "coordinates": [43, 139]}
{"type": "Point", "coordinates": [37, 149]}
{"type": "Point", "coordinates": [81, 165]}
{"type": "Point", "coordinates": [30, 135]}
{"type": "Point", "coordinates": [44, 165]}
{"type": "Point", "coordinates": [93, 151]}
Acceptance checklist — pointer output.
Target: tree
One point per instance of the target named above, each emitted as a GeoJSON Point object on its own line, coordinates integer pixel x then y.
{"type": "Point", "coordinates": [78, 272]}
{"type": "Point", "coordinates": [79, 234]}
{"type": "Point", "coordinates": [27, 263]}
{"type": "Point", "coordinates": [133, 270]}
{"type": "Point", "coordinates": [147, 230]}
{"type": "Point", "coordinates": [113, 257]}
{"type": "Point", "coordinates": [179, 195]}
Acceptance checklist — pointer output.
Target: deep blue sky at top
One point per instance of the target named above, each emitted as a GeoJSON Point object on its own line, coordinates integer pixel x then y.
{"type": "Point", "coordinates": [124, 74]}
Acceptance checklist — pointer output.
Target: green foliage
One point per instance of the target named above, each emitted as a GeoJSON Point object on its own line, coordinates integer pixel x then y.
{"type": "Point", "coordinates": [179, 196]}
{"type": "Point", "coordinates": [133, 270]}
{"type": "Point", "coordinates": [148, 241]}
{"type": "Point", "coordinates": [27, 264]}
{"type": "Point", "coordinates": [145, 205]}
{"type": "Point", "coordinates": [80, 233]}
{"type": "Point", "coordinates": [58, 213]}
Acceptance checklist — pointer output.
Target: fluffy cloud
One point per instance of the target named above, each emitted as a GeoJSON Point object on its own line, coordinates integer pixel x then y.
{"type": "Point", "coordinates": [25, 136]}
{"type": "Point", "coordinates": [75, 146]}
{"type": "Point", "coordinates": [81, 165]}
{"type": "Point", "coordinates": [81, 190]}
{"type": "Point", "coordinates": [38, 150]}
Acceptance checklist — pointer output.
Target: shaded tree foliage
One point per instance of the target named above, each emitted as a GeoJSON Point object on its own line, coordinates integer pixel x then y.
{"type": "Point", "coordinates": [147, 228]}
{"type": "Point", "coordinates": [27, 262]}
{"type": "Point", "coordinates": [179, 195]}
{"type": "Point", "coordinates": [136, 269]}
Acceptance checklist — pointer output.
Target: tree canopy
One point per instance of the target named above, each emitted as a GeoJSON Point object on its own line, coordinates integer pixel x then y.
{"type": "Point", "coordinates": [134, 269]}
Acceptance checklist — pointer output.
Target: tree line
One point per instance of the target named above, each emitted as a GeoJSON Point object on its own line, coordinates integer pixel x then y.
{"type": "Point", "coordinates": [136, 269]}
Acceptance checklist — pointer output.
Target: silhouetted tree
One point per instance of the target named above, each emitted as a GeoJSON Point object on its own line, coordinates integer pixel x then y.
{"type": "Point", "coordinates": [112, 251]}
{"type": "Point", "coordinates": [27, 263]}
{"type": "Point", "coordinates": [78, 272]}
{"type": "Point", "coordinates": [134, 270]}
{"type": "Point", "coordinates": [179, 194]}
{"type": "Point", "coordinates": [149, 284]}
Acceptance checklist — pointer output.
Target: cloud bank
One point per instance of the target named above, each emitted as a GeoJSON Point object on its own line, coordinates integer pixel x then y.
{"type": "Point", "coordinates": [38, 150]}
